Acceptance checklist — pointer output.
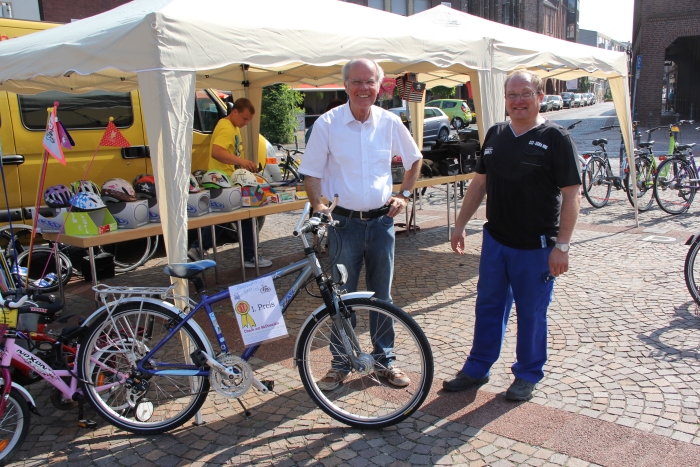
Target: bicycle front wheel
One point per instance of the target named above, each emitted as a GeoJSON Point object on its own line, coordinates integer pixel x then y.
{"type": "Point", "coordinates": [691, 274]}
{"type": "Point", "coordinates": [44, 263]}
{"type": "Point", "coordinates": [364, 399]}
{"type": "Point", "coordinates": [675, 185]}
{"type": "Point", "coordinates": [14, 426]}
{"type": "Point", "coordinates": [149, 404]}
{"type": "Point", "coordinates": [596, 185]}
{"type": "Point", "coordinates": [645, 184]}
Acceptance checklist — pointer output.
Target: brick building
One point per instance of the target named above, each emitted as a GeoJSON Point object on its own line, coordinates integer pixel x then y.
{"type": "Point", "coordinates": [666, 33]}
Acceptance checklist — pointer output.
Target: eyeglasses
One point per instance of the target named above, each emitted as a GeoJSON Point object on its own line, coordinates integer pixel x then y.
{"type": "Point", "coordinates": [511, 96]}
{"type": "Point", "coordinates": [357, 82]}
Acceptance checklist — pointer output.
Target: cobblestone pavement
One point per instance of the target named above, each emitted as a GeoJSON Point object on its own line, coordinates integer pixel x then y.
{"type": "Point", "coordinates": [620, 388]}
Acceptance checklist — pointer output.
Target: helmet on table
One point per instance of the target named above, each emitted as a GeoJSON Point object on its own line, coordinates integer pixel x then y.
{"type": "Point", "coordinates": [87, 186]}
{"type": "Point", "coordinates": [215, 179]}
{"type": "Point", "coordinates": [117, 190]}
{"type": "Point", "coordinates": [145, 186]}
{"type": "Point", "coordinates": [194, 185]}
{"type": "Point", "coordinates": [198, 174]}
{"type": "Point", "coordinates": [244, 177]}
{"type": "Point", "coordinates": [86, 201]}
{"type": "Point", "coordinates": [58, 196]}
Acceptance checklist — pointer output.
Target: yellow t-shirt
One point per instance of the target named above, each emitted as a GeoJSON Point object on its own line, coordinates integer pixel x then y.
{"type": "Point", "coordinates": [228, 136]}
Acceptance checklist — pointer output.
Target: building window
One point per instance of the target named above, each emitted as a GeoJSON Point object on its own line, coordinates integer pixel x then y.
{"type": "Point", "coordinates": [570, 30]}
{"type": "Point", "coordinates": [399, 7]}
{"type": "Point", "coordinates": [420, 5]}
{"type": "Point", "coordinates": [378, 4]}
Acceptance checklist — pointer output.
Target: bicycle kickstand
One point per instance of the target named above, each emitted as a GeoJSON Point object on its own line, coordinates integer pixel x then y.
{"type": "Point", "coordinates": [83, 423]}
{"type": "Point", "coordinates": [245, 411]}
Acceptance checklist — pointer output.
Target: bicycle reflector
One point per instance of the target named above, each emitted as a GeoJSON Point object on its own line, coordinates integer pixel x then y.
{"type": "Point", "coordinates": [662, 158]}
{"type": "Point", "coordinates": [586, 156]}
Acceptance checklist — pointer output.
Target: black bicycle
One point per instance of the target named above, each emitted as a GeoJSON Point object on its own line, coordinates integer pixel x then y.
{"type": "Point", "coordinates": [289, 165]}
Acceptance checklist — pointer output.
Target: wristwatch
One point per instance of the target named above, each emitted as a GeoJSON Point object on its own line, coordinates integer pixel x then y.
{"type": "Point", "coordinates": [406, 194]}
{"type": "Point", "coordinates": [564, 247]}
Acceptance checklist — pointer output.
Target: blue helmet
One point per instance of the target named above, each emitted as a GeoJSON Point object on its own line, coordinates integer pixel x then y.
{"type": "Point", "coordinates": [86, 201]}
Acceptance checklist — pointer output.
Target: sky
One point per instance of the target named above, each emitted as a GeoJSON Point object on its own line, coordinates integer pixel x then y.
{"type": "Point", "coordinates": [610, 17]}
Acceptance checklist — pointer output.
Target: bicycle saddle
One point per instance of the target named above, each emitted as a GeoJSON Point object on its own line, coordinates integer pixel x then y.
{"type": "Point", "coordinates": [683, 147]}
{"type": "Point", "coordinates": [598, 142]}
{"type": "Point", "coordinates": [187, 270]}
{"type": "Point", "coordinates": [646, 145]}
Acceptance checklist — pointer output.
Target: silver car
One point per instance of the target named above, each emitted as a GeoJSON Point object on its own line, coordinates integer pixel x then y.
{"type": "Point", "coordinates": [436, 125]}
{"type": "Point", "coordinates": [556, 101]}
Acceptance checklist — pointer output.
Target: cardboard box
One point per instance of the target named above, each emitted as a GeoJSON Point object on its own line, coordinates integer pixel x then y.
{"type": "Point", "coordinates": [90, 223]}
{"type": "Point", "coordinates": [52, 223]}
{"type": "Point", "coordinates": [253, 196]}
{"type": "Point", "coordinates": [225, 200]}
{"type": "Point", "coordinates": [301, 195]}
{"type": "Point", "coordinates": [153, 211]}
{"type": "Point", "coordinates": [283, 195]}
{"type": "Point", "coordinates": [198, 204]}
{"type": "Point", "coordinates": [130, 215]}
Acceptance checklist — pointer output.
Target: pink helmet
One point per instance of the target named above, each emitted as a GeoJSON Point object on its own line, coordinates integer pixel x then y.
{"type": "Point", "coordinates": [116, 190]}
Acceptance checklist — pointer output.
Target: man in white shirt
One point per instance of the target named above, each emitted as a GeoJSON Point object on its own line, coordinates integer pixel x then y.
{"type": "Point", "coordinates": [349, 154]}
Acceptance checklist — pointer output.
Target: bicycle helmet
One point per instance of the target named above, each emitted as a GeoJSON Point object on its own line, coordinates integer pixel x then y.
{"type": "Point", "coordinates": [194, 185]}
{"type": "Point", "coordinates": [145, 187]}
{"type": "Point", "coordinates": [138, 177]}
{"type": "Point", "coordinates": [198, 174]}
{"type": "Point", "coordinates": [242, 177]}
{"type": "Point", "coordinates": [215, 179]}
{"type": "Point", "coordinates": [58, 196]}
{"type": "Point", "coordinates": [117, 190]}
{"type": "Point", "coordinates": [87, 186]}
{"type": "Point", "coordinates": [86, 201]}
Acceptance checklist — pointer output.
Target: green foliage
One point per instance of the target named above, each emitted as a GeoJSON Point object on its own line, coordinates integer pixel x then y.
{"type": "Point", "coordinates": [278, 120]}
{"type": "Point", "coordinates": [584, 84]}
{"type": "Point", "coordinates": [443, 92]}
{"type": "Point", "coordinates": [608, 94]}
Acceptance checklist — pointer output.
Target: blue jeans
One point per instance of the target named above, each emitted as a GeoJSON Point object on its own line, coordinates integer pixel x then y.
{"type": "Point", "coordinates": [507, 274]}
{"type": "Point", "coordinates": [372, 242]}
{"type": "Point", "coordinates": [248, 248]}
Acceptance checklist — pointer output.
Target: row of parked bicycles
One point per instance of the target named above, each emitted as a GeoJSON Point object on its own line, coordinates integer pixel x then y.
{"type": "Point", "coordinates": [671, 179]}
{"type": "Point", "coordinates": [146, 366]}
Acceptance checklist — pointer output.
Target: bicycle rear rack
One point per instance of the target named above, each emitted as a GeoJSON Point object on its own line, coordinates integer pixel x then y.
{"type": "Point", "coordinates": [112, 296]}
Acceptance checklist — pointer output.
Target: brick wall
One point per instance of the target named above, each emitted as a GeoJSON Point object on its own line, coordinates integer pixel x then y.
{"type": "Point", "coordinates": [63, 11]}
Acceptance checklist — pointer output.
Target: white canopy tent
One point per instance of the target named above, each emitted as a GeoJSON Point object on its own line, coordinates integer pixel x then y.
{"type": "Point", "coordinates": [168, 49]}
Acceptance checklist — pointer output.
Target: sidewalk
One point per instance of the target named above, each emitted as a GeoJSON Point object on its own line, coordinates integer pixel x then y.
{"type": "Point", "coordinates": [620, 389]}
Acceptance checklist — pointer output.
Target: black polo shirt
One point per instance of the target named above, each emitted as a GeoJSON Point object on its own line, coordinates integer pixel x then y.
{"type": "Point", "coordinates": [524, 175]}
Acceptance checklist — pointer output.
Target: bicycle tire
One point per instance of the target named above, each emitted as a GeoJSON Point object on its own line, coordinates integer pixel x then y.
{"type": "Point", "coordinates": [14, 425]}
{"type": "Point", "coordinates": [355, 401]}
{"type": "Point", "coordinates": [289, 172]}
{"type": "Point", "coordinates": [595, 187]}
{"type": "Point", "coordinates": [39, 259]}
{"type": "Point", "coordinates": [645, 184]}
{"type": "Point", "coordinates": [689, 271]}
{"type": "Point", "coordinates": [131, 260]}
{"type": "Point", "coordinates": [104, 358]}
{"type": "Point", "coordinates": [670, 195]}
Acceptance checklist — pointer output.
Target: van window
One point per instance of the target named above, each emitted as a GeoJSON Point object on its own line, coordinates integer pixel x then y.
{"type": "Point", "coordinates": [206, 116]}
{"type": "Point", "coordinates": [77, 111]}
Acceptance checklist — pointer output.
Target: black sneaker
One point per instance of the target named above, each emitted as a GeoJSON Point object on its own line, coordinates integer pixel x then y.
{"type": "Point", "coordinates": [520, 390]}
{"type": "Point", "coordinates": [463, 381]}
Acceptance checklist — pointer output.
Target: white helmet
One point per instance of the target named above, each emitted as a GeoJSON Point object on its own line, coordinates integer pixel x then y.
{"type": "Point", "coordinates": [116, 190]}
{"type": "Point", "coordinates": [243, 177]}
{"type": "Point", "coordinates": [215, 179]}
{"type": "Point", "coordinates": [194, 185]}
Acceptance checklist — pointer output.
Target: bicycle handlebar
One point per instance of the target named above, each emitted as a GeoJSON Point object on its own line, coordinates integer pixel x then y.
{"type": "Point", "coordinates": [308, 226]}
{"type": "Point", "coordinates": [16, 304]}
{"type": "Point", "coordinates": [610, 127]}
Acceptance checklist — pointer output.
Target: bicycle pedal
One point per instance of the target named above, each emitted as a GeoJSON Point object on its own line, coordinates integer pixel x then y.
{"type": "Point", "coordinates": [91, 424]}
{"type": "Point", "coordinates": [269, 384]}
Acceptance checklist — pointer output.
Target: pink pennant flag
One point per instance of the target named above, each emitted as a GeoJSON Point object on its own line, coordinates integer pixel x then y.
{"type": "Point", "coordinates": [113, 137]}
{"type": "Point", "coordinates": [52, 137]}
{"type": "Point", "coordinates": [66, 140]}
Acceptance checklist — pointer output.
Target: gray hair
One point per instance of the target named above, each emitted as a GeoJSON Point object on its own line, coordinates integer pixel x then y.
{"type": "Point", "coordinates": [532, 76]}
{"type": "Point", "coordinates": [379, 73]}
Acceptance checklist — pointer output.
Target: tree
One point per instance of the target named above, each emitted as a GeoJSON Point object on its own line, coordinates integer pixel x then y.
{"type": "Point", "coordinates": [443, 92]}
{"type": "Point", "coordinates": [280, 105]}
{"type": "Point", "coordinates": [584, 84]}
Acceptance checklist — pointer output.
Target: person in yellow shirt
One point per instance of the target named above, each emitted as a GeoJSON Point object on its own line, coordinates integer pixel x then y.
{"type": "Point", "coordinates": [226, 151]}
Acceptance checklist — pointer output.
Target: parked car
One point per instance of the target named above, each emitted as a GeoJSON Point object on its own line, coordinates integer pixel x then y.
{"type": "Point", "coordinates": [567, 100]}
{"type": "Point", "coordinates": [456, 109]}
{"type": "Point", "coordinates": [436, 125]}
{"type": "Point", "coordinates": [546, 104]}
{"type": "Point", "coordinates": [592, 99]}
{"type": "Point", "coordinates": [577, 100]}
{"type": "Point", "coordinates": [556, 102]}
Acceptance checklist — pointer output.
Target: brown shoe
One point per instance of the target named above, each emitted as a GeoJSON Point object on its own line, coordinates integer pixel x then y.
{"type": "Point", "coordinates": [332, 380]}
{"type": "Point", "coordinates": [394, 376]}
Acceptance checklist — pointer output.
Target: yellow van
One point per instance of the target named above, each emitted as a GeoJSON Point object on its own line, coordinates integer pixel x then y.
{"type": "Point", "coordinates": [85, 116]}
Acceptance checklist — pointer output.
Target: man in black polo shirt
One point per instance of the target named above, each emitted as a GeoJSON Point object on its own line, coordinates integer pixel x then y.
{"type": "Point", "coordinates": [530, 172]}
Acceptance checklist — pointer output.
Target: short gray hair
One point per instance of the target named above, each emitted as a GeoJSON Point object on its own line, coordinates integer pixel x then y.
{"type": "Point", "coordinates": [532, 76]}
{"type": "Point", "coordinates": [379, 72]}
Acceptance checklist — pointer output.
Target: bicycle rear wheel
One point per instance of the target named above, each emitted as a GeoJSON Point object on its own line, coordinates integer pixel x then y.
{"type": "Point", "coordinates": [44, 263]}
{"type": "Point", "coordinates": [132, 254]}
{"type": "Point", "coordinates": [289, 172]}
{"type": "Point", "coordinates": [14, 426]}
{"type": "Point", "coordinates": [675, 185]}
{"type": "Point", "coordinates": [364, 399]}
{"type": "Point", "coordinates": [596, 187]}
{"type": "Point", "coordinates": [691, 271]}
{"type": "Point", "coordinates": [645, 184]}
{"type": "Point", "coordinates": [150, 404]}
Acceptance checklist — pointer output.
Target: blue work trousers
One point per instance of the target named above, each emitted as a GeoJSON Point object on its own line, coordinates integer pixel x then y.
{"type": "Point", "coordinates": [507, 274]}
{"type": "Point", "coordinates": [372, 242]}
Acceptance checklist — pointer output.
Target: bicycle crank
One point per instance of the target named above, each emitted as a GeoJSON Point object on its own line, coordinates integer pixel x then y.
{"type": "Point", "coordinates": [231, 377]}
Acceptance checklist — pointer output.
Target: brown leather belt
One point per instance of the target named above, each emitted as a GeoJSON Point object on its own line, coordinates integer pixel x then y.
{"type": "Point", "coordinates": [362, 215]}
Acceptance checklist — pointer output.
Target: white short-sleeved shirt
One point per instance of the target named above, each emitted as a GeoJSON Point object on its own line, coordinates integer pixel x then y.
{"type": "Point", "coordinates": [353, 159]}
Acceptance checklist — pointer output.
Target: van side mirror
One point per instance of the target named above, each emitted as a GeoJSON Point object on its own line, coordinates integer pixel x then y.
{"type": "Point", "coordinates": [229, 107]}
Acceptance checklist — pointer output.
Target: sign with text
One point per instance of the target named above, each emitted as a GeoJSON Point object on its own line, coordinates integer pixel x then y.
{"type": "Point", "coordinates": [258, 311]}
